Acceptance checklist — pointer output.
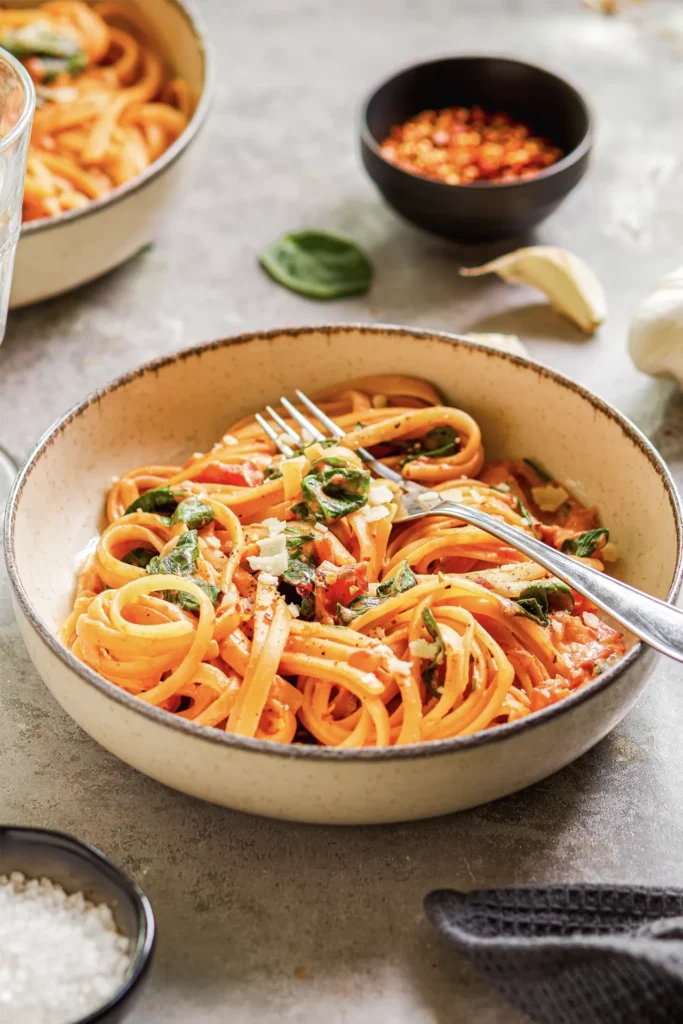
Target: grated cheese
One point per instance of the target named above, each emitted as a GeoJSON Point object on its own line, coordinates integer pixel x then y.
{"type": "Point", "coordinates": [549, 497]}
{"type": "Point", "coordinates": [267, 578]}
{"type": "Point", "coordinates": [377, 512]}
{"type": "Point", "coordinates": [423, 649]}
{"type": "Point", "coordinates": [294, 610]}
{"type": "Point", "coordinates": [274, 526]}
{"type": "Point", "coordinates": [380, 494]}
{"type": "Point", "coordinates": [272, 557]}
{"type": "Point", "coordinates": [429, 499]}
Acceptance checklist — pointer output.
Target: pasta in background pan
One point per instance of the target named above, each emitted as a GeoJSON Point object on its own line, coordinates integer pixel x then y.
{"type": "Point", "coordinates": [107, 107]}
{"type": "Point", "coordinates": [275, 598]}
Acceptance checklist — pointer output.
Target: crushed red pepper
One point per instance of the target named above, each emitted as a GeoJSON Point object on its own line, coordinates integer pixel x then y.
{"type": "Point", "coordinates": [460, 145]}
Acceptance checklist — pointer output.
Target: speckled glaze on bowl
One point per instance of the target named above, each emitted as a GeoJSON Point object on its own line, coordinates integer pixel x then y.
{"type": "Point", "coordinates": [174, 406]}
{"type": "Point", "coordinates": [57, 254]}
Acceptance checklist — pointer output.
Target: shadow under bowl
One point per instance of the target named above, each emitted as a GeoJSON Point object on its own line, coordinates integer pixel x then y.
{"type": "Point", "coordinates": [78, 867]}
{"type": "Point", "coordinates": [482, 211]}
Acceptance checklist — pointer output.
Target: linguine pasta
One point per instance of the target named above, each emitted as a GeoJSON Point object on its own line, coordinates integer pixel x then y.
{"type": "Point", "coordinates": [106, 106]}
{"type": "Point", "coordinates": [275, 598]}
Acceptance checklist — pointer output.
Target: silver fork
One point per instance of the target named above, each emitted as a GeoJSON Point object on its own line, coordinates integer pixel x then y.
{"type": "Point", "coordinates": [655, 622]}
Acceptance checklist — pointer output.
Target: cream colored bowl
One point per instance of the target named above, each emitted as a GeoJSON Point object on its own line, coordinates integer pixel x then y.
{"type": "Point", "coordinates": [57, 254]}
{"type": "Point", "coordinates": [175, 406]}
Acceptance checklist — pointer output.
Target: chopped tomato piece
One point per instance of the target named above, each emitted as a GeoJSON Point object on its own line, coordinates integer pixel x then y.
{"type": "Point", "coordinates": [338, 584]}
{"type": "Point", "coordinates": [238, 474]}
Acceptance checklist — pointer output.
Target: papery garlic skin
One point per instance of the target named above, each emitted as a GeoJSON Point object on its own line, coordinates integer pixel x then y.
{"type": "Point", "coordinates": [503, 342]}
{"type": "Point", "coordinates": [655, 338]}
{"type": "Point", "coordinates": [570, 285]}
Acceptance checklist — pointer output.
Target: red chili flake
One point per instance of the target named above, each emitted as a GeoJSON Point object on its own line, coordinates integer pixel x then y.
{"type": "Point", "coordinates": [458, 145]}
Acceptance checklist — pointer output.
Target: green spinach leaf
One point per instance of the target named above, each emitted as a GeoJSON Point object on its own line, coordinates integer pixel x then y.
{"type": "Point", "coordinates": [37, 39]}
{"type": "Point", "coordinates": [438, 443]}
{"type": "Point", "coordinates": [158, 499]}
{"type": "Point", "coordinates": [297, 579]}
{"type": "Point", "coordinates": [194, 512]}
{"type": "Point", "coordinates": [540, 473]}
{"type": "Point", "coordinates": [318, 264]}
{"type": "Point", "coordinates": [544, 596]}
{"type": "Point", "coordinates": [403, 580]}
{"type": "Point", "coordinates": [139, 556]}
{"type": "Point", "coordinates": [586, 543]}
{"type": "Point", "coordinates": [272, 473]}
{"type": "Point", "coordinates": [182, 561]}
{"type": "Point", "coordinates": [332, 494]}
{"type": "Point", "coordinates": [429, 674]}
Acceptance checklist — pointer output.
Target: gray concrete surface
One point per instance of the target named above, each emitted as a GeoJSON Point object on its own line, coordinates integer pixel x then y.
{"type": "Point", "coordinates": [262, 921]}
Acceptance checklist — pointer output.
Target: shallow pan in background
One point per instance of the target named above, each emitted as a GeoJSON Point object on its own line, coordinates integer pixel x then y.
{"type": "Point", "coordinates": [57, 254]}
{"type": "Point", "coordinates": [181, 404]}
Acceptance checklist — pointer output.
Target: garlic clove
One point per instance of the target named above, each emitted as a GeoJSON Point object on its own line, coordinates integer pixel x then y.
{"type": "Point", "coordinates": [569, 283]}
{"type": "Point", "coordinates": [655, 338]}
{"type": "Point", "coordinates": [503, 342]}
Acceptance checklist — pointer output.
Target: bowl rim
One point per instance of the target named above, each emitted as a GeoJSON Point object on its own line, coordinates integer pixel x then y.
{"type": "Point", "coordinates": [168, 157]}
{"type": "Point", "coordinates": [568, 160]}
{"type": "Point", "coordinates": [145, 941]}
{"type": "Point", "coordinates": [433, 748]}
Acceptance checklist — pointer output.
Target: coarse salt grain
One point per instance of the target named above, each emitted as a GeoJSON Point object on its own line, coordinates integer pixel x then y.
{"type": "Point", "coordinates": [62, 957]}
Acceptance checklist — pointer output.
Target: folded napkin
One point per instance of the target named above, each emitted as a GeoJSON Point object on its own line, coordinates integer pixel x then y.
{"type": "Point", "coordinates": [573, 954]}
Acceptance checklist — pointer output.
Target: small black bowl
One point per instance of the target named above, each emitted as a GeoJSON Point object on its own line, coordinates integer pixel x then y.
{"type": "Point", "coordinates": [77, 867]}
{"type": "Point", "coordinates": [482, 211]}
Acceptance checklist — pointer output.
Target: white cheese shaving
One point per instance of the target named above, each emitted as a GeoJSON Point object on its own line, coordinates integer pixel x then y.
{"type": "Point", "coordinates": [294, 610]}
{"type": "Point", "coordinates": [230, 439]}
{"type": "Point", "coordinates": [380, 494]}
{"type": "Point", "coordinates": [266, 577]}
{"type": "Point", "coordinates": [423, 649]}
{"type": "Point", "coordinates": [272, 557]}
{"type": "Point", "coordinates": [274, 526]}
{"type": "Point", "coordinates": [429, 499]}
{"type": "Point", "coordinates": [375, 513]}
{"type": "Point", "coordinates": [549, 497]}
{"type": "Point", "coordinates": [314, 451]}
{"type": "Point", "coordinates": [320, 528]}
{"type": "Point", "coordinates": [608, 553]}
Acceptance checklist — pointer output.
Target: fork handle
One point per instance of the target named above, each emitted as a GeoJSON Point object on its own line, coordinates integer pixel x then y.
{"type": "Point", "coordinates": [655, 622]}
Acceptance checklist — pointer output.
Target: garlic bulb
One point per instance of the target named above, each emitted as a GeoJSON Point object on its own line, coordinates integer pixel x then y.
{"type": "Point", "coordinates": [504, 342]}
{"type": "Point", "coordinates": [655, 338]}
{"type": "Point", "coordinates": [567, 281]}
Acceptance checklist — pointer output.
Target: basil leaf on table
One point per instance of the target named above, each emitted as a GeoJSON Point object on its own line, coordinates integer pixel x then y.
{"type": "Point", "coordinates": [318, 264]}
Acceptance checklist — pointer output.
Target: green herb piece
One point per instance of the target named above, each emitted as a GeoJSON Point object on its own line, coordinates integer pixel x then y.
{"type": "Point", "coordinates": [586, 543]}
{"type": "Point", "coordinates": [438, 443]}
{"type": "Point", "coordinates": [297, 579]}
{"type": "Point", "coordinates": [182, 561]}
{"type": "Point", "coordinates": [543, 596]}
{"type": "Point", "coordinates": [429, 674]}
{"type": "Point", "coordinates": [503, 489]}
{"type": "Point", "coordinates": [318, 264]}
{"type": "Point", "coordinates": [56, 53]}
{"type": "Point", "coordinates": [332, 494]}
{"type": "Point", "coordinates": [523, 511]}
{"type": "Point", "coordinates": [189, 602]}
{"type": "Point", "coordinates": [139, 556]}
{"type": "Point", "coordinates": [194, 512]}
{"type": "Point", "coordinates": [540, 473]}
{"type": "Point", "coordinates": [403, 580]}
{"type": "Point", "coordinates": [272, 473]}
{"type": "Point", "coordinates": [159, 499]}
